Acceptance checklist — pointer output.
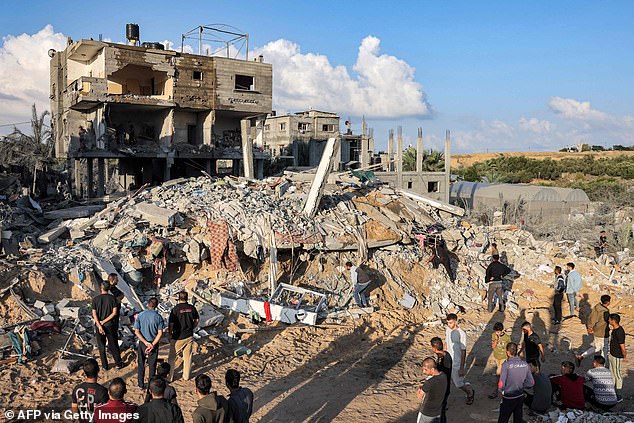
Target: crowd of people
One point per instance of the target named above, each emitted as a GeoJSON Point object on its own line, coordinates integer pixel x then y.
{"type": "Point", "coordinates": [519, 379]}
{"type": "Point", "coordinates": [93, 402]}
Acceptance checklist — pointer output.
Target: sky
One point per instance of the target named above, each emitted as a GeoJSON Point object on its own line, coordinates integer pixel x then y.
{"type": "Point", "coordinates": [500, 75]}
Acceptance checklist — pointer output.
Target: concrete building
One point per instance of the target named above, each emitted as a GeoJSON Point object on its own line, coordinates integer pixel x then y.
{"type": "Point", "coordinates": [146, 115]}
{"type": "Point", "coordinates": [293, 134]}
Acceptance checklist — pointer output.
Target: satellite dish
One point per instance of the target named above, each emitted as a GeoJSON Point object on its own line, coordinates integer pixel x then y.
{"type": "Point", "coordinates": [51, 52]}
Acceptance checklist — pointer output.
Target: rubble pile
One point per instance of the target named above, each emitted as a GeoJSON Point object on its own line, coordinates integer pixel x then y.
{"type": "Point", "coordinates": [578, 416]}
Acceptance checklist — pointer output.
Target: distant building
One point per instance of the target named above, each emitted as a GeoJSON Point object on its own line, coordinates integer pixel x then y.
{"type": "Point", "coordinates": [292, 134]}
{"type": "Point", "coordinates": [152, 114]}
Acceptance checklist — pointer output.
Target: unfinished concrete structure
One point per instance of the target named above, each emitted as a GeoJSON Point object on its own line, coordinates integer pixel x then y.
{"type": "Point", "coordinates": [299, 135]}
{"type": "Point", "coordinates": [150, 114]}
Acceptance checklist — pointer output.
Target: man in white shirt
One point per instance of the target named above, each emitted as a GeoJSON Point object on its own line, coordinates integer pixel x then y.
{"type": "Point", "coordinates": [456, 346]}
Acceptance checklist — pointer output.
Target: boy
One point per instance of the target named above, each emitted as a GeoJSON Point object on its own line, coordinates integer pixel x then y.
{"type": "Point", "coordinates": [499, 340]}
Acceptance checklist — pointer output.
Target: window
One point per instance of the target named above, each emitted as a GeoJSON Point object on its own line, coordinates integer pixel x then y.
{"type": "Point", "coordinates": [282, 126]}
{"type": "Point", "coordinates": [303, 126]}
{"type": "Point", "coordinates": [433, 186]}
{"type": "Point", "coordinates": [245, 82]}
{"type": "Point", "coordinates": [267, 127]}
{"type": "Point", "coordinates": [198, 75]}
{"type": "Point", "coordinates": [328, 128]}
{"type": "Point", "coordinates": [409, 184]}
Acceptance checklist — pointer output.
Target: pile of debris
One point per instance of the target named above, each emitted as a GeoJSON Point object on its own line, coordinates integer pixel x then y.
{"type": "Point", "coordinates": [578, 416]}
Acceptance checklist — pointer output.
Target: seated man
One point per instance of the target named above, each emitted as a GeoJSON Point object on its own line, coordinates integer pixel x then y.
{"type": "Point", "coordinates": [539, 397]}
{"type": "Point", "coordinates": [601, 393]}
{"type": "Point", "coordinates": [568, 387]}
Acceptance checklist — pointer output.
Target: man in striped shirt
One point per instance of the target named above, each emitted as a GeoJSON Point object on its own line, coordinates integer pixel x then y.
{"type": "Point", "coordinates": [601, 392]}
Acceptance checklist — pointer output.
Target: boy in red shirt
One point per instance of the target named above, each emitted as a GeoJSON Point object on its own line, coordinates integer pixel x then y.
{"type": "Point", "coordinates": [568, 387]}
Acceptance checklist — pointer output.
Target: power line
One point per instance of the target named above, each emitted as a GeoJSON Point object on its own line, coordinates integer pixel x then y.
{"type": "Point", "coordinates": [14, 124]}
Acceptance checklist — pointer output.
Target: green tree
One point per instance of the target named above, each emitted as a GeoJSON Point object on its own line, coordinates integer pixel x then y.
{"type": "Point", "coordinates": [433, 160]}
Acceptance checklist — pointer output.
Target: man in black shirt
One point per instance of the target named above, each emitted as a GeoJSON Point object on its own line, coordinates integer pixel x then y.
{"type": "Point", "coordinates": [113, 279]}
{"type": "Point", "coordinates": [496, 271]}
{"type": "Point", "coordinates": [240, 399]}
{"type": "Point", "coordinates": [532, 345]}
{"type": "Point", "coordinates": [104, 312]}
{"type": "Point", "coordinates": [444, 364]}
{"type": "Point", "coordinates": [599, 249]}
{"type": "Point", "coordinates": [432, 392]}
{"type": "Point", "coordinates": [182, 322]}
{"type": "Point", "coordinates": [88, 393]}
{"type": "Point", "coordinates": [618, 353]}
{"type": "Point", "coordinates": [159, 410]}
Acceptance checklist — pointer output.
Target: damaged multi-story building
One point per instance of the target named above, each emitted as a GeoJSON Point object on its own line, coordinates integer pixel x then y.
{"type": "Point", "coordinates": [139, 114]}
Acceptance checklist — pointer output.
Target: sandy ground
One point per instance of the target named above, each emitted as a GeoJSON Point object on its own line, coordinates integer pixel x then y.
{"type": "Point", "coordinates": [459, 160]}
{"type": "Point", "coordinates": [365, 370]}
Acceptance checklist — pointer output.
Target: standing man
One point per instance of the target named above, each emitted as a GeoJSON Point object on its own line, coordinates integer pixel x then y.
{"type": "Point", "coordinates": [240, 399]}
{"type": "Point", "coordinates": [148, 327]}
{"type": "Point", "coordinates": [212, 408]}
{"type": "Point", "coordinates": [116, 410]}
{"type": "Point", "coordinates": [496, 271]}
{"type": "Point", "coordinates": [499, 341]}
{"type": "Point", "coordinates": [532, 345]}
{"type": "Point", "coordinates": [104, 313]}
{"type": "Point", "coordinates": [182, 322]}
{"type": "Point", "coordinates": [89, 393]}
{"type": "Point", "coordinates": [444, 365]}
{"type": "Point", "coordinates": [432, 392]}
{"type": "Point", "coordinates": [515, 377]}
{"type": "Point", "coordinates": [159, 410]}
{"type": "Point", "coordinates": [560, 288]}
{"type": "Point", "coordinates": [361, 281]}
{"type": "Point", "coordinates": [573, 287]}
{"type": "Point", "coordinates": [599, 328]}
{"type": "Point", "coordinates": [113, 279]}
{"type": "Point", "coordinates": [617, 353]}
{"type": "Point", "coordinates": [456, 344]}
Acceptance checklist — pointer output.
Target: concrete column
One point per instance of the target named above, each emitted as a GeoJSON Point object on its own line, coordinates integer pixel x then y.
{"type": "Point", "coordinates": [101, 177]}
{"type": "Point", "coordinates": [167, 170]}
{"type": "Point", "coordinates": [76, 181]}
{"type": "Point", "coordinates": [447, 164]}
{"type": "Point", "coordinates": [91, 177]}
{"type": "Point", "coordinates": [365, 156]}
{"type": "Point", "coordinates": [399, 157]}
{"type": "Point", "coordinates": [247, 148]}
{"type": "Point", "coordinates": [390, 150]}
{"type": "Point", "coordinates": [419, 151]}
{"type": "Point", "coordinates": [235, 167]}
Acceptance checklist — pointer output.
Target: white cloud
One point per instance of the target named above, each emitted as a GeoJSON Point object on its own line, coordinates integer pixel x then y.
{"type": "Point", "coordinates": [384, 86]}
{"type": "Point", "coordinates": [536, 126]}
{"type": "Point", "coordinates": [569, 108]}
{"type": "Point", "coordinates": [24, 73]}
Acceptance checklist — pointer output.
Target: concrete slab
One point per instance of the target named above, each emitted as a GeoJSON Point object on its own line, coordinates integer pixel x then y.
{"type": "Point", "coordinates": [156, 215]}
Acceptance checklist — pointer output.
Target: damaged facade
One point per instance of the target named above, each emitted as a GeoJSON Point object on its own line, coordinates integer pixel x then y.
{"type": "Point", "coordinates": [146, 115]}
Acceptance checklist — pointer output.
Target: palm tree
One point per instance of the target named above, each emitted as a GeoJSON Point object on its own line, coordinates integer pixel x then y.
{"type": "Point", "coordinates": [433, 160]}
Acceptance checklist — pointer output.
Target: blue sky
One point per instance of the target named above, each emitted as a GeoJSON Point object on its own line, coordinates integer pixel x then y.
{"type": "Point", "coordinates": [501, 75]}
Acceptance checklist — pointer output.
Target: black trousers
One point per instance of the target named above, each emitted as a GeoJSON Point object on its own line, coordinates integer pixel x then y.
{"type": "Point", "coordinates": [557, 305]}
{"type": "Point", "coordinates": [142, 358]}
{"type": "Point", "coordinates": [112, 336]}
{"type": "Point", "coordinates": [514, 407]}
{"type": "Point", "coordinates": [443, 413]}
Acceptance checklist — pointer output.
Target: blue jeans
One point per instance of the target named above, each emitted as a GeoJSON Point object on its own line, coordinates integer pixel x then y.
{"type": "Point", "coordinates": [359, 294]}
{"type": "Point", "coordinates": [573, 302]}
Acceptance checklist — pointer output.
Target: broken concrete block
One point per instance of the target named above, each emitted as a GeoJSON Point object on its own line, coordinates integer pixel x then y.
{"type": "Point", "coordinates": [48, 318]}
{"type": "Point", "coordinates": [48, 309]}
{"type": "Point", "coordinates": [156, 215]}
{"type": "Point", "coordinates": [39, 304]}
{"type": "Point", "coordinates": [74, 212]}
{"type": "Point", "coordinates": [52, 234]}
{"type": "Point", "coordinates": [76, 234]}
{"type": "Point", "coordinates": [63, 303]}
{"type": "Point", "coordinates": [69, 312]}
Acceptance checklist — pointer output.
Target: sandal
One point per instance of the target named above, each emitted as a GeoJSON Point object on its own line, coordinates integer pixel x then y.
{"type": "Point", "coordinates": [471, 397]}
